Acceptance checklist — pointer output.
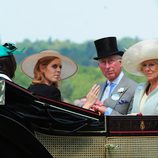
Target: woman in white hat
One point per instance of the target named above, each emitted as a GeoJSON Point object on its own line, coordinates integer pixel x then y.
{"type": "Point", "coordinates": [46, 69]}
{"type": "Point", "coordinates": [142, 60]}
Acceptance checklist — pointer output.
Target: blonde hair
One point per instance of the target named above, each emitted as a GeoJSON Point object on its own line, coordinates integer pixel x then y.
{"type": "Point", "coordinates": [140, 65]}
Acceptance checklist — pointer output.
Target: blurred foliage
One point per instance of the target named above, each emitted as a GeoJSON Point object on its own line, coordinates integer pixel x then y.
{"type": "Point", "coordinates": [88, 73]}
{"type": "Point", "coordinates": [79, 85]}
{"type": "Point", "coordinates": [21, 79]}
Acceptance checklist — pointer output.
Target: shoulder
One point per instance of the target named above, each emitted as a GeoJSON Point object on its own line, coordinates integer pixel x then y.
{"type": "Point", "coordinates": [45, 90]}
{"type": "Point", "coordinates": [142, 86]}
{"type": "Point", "coordinates": [129, 81]}
{"type": "Point", "coordinates": [102, 84]}
{"type": "Point", "coordinates": [42, 87]}
{"type": "Point", "coordinates": [37, 87]}
{"type": "Point", "coordinates": [5, 77]}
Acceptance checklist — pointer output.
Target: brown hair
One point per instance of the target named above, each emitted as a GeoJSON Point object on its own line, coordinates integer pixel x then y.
{"type": "Point", "coordinates": [8, 65]}
{"type": "Point", "coordinates": [38, 75]}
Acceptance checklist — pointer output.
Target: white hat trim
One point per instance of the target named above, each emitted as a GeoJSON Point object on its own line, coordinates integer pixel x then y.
{"type": "Point", "coordinates": [138, 53]}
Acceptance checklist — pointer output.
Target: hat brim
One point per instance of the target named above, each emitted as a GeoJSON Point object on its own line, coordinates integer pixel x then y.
{"type": "Point", "coordinates": [105, 56]}
{"type": "Point", "coordinates": [69, 67]}
{"type": "Point", "coordinates": [138, 53]}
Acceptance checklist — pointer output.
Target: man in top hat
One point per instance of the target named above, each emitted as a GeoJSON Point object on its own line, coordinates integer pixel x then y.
{"type": "Point", "coordinates": [115, 95]}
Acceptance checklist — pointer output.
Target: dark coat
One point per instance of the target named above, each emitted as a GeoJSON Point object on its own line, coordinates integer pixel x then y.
{"type": "Point", "coordinates": [46, 91]}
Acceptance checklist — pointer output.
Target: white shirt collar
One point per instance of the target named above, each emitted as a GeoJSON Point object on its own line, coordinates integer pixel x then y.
{"type": "Point", "coordinates": [118, 79]}
{"type": "Point", "coordinates": [5, 77]}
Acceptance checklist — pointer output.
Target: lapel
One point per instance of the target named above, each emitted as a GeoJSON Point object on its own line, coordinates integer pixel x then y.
{"type": "Point", "coordinates": [138, 95]}
{"type": "Point", "coordinates": [102, 88]}
{"type": "Point", "coordinates": [120, 89]}
{"type": "Point", "coordinates": [122, 85]}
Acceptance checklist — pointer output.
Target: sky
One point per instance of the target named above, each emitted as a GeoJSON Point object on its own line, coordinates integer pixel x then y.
{"type": "Point", "coordinates": [77, 20]}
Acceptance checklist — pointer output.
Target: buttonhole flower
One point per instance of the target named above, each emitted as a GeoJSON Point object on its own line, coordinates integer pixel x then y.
{"type": "Point", "coordinates": [120, 90]}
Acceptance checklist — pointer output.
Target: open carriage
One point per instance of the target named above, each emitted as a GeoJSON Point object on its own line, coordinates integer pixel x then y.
{"type": "Point", "coordinates": [34, 126]}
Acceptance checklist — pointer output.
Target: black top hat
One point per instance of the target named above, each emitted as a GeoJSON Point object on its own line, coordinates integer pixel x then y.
{"type": "Point", "coordinates": [106, 47]}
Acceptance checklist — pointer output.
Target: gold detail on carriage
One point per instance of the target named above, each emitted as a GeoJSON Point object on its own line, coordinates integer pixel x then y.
{"type": "Point", "coordinates": [142, 125]}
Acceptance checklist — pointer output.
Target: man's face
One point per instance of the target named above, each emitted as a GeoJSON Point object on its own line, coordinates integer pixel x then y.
{"type": "Point", "coordinates": [111, 67]}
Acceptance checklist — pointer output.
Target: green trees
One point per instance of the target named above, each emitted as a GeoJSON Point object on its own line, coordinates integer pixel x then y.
{"type": "Point", "coordinates": [81, 82]}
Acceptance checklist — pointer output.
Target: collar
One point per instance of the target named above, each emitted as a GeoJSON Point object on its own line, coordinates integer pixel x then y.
{"type": "Point", "coordinates": [5, 77]}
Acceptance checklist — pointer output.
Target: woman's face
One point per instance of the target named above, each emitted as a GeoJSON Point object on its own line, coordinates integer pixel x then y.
{"type": "Point", "coordinates": [150, 69]}
{"type": "Point", "coordinates": [52, 71]}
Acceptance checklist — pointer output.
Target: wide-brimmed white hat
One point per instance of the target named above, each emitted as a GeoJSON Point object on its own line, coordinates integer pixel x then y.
{"type": "Point", "coordinates": [138, 53]}
{"type": "Point", "coordinates": [69, 67]}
